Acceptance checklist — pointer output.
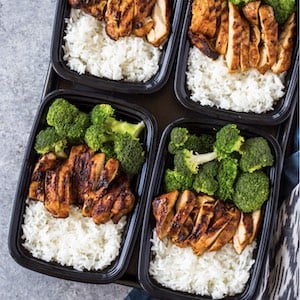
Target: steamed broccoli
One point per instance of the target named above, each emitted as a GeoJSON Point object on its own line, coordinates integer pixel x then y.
{"type": "Point", "coordinates": [174, 180]}
{"type": "Point", "coordinates": [251, 191]}
{"type": "Point", "coordinates": [96, 136]}
{"type": "Point", "coordinates": [129, 152]}
{"type": "Point", "coordinates": [282, 9]}
{"type": "Point", "coordinates": [47, 140]}
{"type": "Point", "coordinates": [256, 154]}
{"type": "Point", "coordinates": [205, 181]}
{"type": "Point", "coordinates": [108, 149]}
{"type": "Point", "coordinates": [77, 128]}
{"type": "Point", "coordinates": [226, 176]}
{"type": "Point", "coordinates": [103, 115]}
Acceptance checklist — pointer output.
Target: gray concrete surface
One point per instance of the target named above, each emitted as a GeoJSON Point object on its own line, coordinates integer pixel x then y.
{"type": "Point", "coordinates": [25, 38]}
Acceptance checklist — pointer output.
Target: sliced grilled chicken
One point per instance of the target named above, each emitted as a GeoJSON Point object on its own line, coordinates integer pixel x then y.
{"type": "Point", "coordinates": [181, 239]}
{"type": "Point", "coordinates": [142, 20]}
{"type": "Point", "coordinates": [256, 218]}
{"type": "Point", "coordinates": [184, 206]}
{"type": "Point", "coordinates": [254, 55]}
{"type": "Point", "coordinates": [250, 11]}
{"type": "Point", "coordinates": [204, 19]}
{"type": "Point", "coordinates": [218, 7]}
{"type": "Point", "coordinates": [161, 16]}
{"type": "Point", "coordinates": [95, 166]}
{"type": "Point", "coordinates": [286, 43]}
{"type": "Point", "coordinates": [203, 44]}
{"type": "Point", "coordinates": [269, 35]}
{"type": "Point", "coordinates": [126, 17]}
{"type": "Point", "coordinates": [163, 211]}
{"type": "Point", "coordinates": [107, 175]}
{"type": "Point", "coordinates": [245, 46]}
{"type": "Point", "coordinates": [234, 38]}
{"type": "Point", "coordinates": [244, 232]}
{"type": "Point", "coordinates": [112, 18]}
{"type": "Point", "coordinates": [229, 230]}
{"type": "Point", "coordinates": [37, 185]}
{"type": "Point", "coordinates": [222, 34]}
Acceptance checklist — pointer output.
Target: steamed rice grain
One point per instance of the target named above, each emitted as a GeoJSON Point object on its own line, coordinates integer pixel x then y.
{"type": "Point", "coordinates": [88, 49]}
{"type": "Point", "coordinates": [211, 85]}
{"type": "Point", "coordinates": [74, 241]}
{"type": "Point", "coordinates": [216, 274]}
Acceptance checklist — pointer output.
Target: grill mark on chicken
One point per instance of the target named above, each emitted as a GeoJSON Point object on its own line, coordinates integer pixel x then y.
{"type": "Point", "coordinates": [95, 8]}
{"type": "Point", "coordinates": [222, 35]}
{"type": "Point", "coordinates": [112, 18]}
{"type": "Point", "coordinates": [126, 17]}
{"type": "Point", "coordinates": [250, 11]}
{"type": "Point", "coordinates": [245, 46]}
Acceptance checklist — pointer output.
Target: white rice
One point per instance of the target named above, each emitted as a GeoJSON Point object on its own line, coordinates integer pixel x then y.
{"type": "Point", "coordinates": [88, 49]}
{"type": "Point", "coordinates": [74, 241]}
{"type": "Point", "coordinates": [216, 274]}
{"type": "Point", "coordinates": [211, 85]}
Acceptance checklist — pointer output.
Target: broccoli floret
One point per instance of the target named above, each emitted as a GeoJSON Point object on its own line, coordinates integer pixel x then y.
{"type": "Point", "coordinates": [185, 161]}
{"type": "Point", "coordinates": [108, 149]}
{"type": "Point", "coordinates": [256, 154]}
{"type": "Point", "coordinates": [103, 115]}
{"type": "Point", "coordinates": [47, 140]}
{"type": "Point", "coordinates": [174, 180]}
{"type": "Point", "coordinates": [78, 127]}
{"type": "Point", "coordinates": [228, 140]}
{"type": "Point", "coordinates": [251, 191]}
{"type": "Point", "coordinates": [226, 177]}
{"type": "Point", "coordinates": [282, 9]}
{"type": "Point", "coordinates": [95, 137]}
{"type": "Point", "coordinates": [205, 180]}
{"type": "Point", "coordinates": [129, 152]}
{"type": "Point", "coordinates": [60, 115]}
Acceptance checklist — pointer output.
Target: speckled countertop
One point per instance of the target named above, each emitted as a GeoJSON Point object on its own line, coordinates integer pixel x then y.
{"type": "Point", "coordinates": [25, 38]}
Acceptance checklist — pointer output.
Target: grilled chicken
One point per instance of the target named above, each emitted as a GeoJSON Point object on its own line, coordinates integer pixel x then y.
{"type": "Point", "coordinates": [161, 15]}
{"type": "Point", "coordinates": [184, 206]}
{"type": "Point", "coordinates": [254, 55]}
{"type": "Point", "coordinates": [37, 185]}
{"type": "Point", "coordinates": [107, 175]}
{"type": "Point", "coordinates": [181, 239]}
{"type": "Point", "coordinates": [285, 46]}
{"type": "Point", "coordinates": [204, 18]}
{"type": "Point", "coordinates": [142, 19]}
{"type": "Point", "coordinates": [112, 18]}
{"type": "Point", "coordinates": [222, 34]}
{"type": "Point", "coordinates": [256, 217]}
{"type": "Point", "coordinates": [234, 38]}
{"type": "Point", "coordinates": [269, 35]}
{"type": "Point", "coordinates": [245, 46]}
{"type": "Point", "coordinates": [126, 17]}
{"type": "Point", "coordinates": [163, 211]}
{"type": "Point", "coordinates": [250, 11]}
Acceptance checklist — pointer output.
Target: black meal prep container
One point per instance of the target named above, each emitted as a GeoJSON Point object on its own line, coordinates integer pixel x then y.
{"type": "Point", "coordinates": [169, 52]}
{"type": "Point", "coordinates": [281, 110]}
{"type": "Point", "coordinates": [84, 101]}
{"type": "Point", "coordinates": [164, 161]}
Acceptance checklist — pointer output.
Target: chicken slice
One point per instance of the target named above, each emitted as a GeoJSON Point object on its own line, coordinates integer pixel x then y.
{"type": "Point", "coordinates": [228, 231]}
{"type": "Point", "coordinates": [142, 20]}
{"type": "Point", "coordinates": [161, 16]}
{"type": "Point", "coordinates": [256, 218]}
{"type": "Point", "coordinates": [254, 55]}
{"type": "Point", "coordinates": [286, 43]}
{"type": "Point", "coordinates": [126, 17]}
{"type": "Point", "coordinates": [95, 166]}
{"type": "Point", "coordinates": [250, 11]}
{"type": "Point", "coordinates": [181, 239]}
{"type": "Point", "coordinates": [234, 38]}
{"type": "Point", "coordinates": [269, 35]}
{"type": "Point", "coordinates": [107, 175]}
{"type": "Point", "coordinates": [243, 233]}
{"type": "Point", "coordinates": [222, 34]}
{"type": "Point", "coordinates": [245, 46]}
{"type": "Point", "coordinates": [203, 44]}
{"type": "Point", "coordinates": [163, 211]}
{"type": "Point", "coordinates": [37, 185]}
{"type": "Point", "coordinates": [204, 19]}
{"type": "Point", "coordinates": [112, 18]}
{"type": "Point", "coordinates": [184, 206]}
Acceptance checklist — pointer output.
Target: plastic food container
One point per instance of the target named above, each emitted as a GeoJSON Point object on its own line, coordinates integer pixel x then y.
{"type": "Point", "coordinates": [268, 211]}
{"type": "Point", "coordinates": [154, 84]}
{"type": "Point", "coordinates": [281, 109]}
{"type": "Point", "coordinates": [84, 101]}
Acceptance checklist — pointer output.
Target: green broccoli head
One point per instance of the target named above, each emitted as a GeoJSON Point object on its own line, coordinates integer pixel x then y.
{"type": "Point", "coordinates": [78, 127]}
{"type": "Point", "coordinates": [205, 180]}
{"type": "Point", "coordinates": [129, 152]}
{"type": "Point", "coordinates": [122, 127]}
{"type": "Point", "coordinates": [95, 137]}
{"type": "Point", "coordinates": [61, 114]}
{"type": "Point", "coordinates": [251, 191]}
{"type": "Point", "coordinates": [255, 154]}
{"type": "Point", "coordinates": [108, 149]}
{"type": "Point", "coordinates": [185, 161]}
{"type": "Point", "coordinates": [202, 143]}
{"type": "Point", "coordinates": [226, 177]}
{"type": "Point", "coordinates": [101, 112]}
{"type": "Point", "coordinates": [174, 180]}
{"type": "Point", "coordinates": [228, 140]}
{"type": "Point", "coordinates": [282, 9]}
{"type": "Point", "coordinates": [47, 140]}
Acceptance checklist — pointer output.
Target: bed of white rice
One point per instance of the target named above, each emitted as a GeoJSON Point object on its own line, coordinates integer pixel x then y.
{"type": "Point", "coordinates": [216, 274]}
{"type": "Point", "coordinates": [88, 49]}
{"type": "Point", "coordinates": [210, 84]}
{"type": "Point", "coordinates": [74, 241]}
